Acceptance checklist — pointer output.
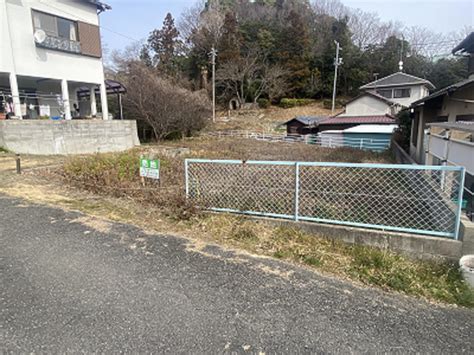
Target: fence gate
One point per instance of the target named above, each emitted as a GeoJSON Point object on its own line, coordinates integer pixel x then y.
{"type": "Point", "coordinates": [406, 198]}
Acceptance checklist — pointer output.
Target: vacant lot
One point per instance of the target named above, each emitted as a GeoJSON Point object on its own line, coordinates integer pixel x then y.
{"type": "Point", "coordinates": [108, 185]}
{"type": "Point", "coordinates": [251, 149]}
{"type": "Point", "coordinates": [267, 120]}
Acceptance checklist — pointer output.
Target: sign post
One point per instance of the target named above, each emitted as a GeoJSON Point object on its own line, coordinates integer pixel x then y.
{"type": "Point", "coordinates": [150, 169]}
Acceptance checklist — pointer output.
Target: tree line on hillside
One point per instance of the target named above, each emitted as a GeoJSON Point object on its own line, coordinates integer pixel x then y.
{"type": "Point", "coordinates": [270, 49]}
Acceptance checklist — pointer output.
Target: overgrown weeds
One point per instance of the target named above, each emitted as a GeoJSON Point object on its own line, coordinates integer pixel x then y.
{"type": "Point", "coordinates": [117, 175]}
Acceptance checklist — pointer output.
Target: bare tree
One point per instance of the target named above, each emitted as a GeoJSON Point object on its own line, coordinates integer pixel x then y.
{"type": "Point", "coordinates": [189, 21]}
{"type": "Point", "coordinates": [247, 78]}
{"type": "Point", "coordinates": [203, 28]}
{"type": "Point", "coordinates": [273, 81]}
{"type": "Point", "coordinates": [167, 108]}
{"type": "Point", "coordinates": [334, 8]}
{"type": "Point", "coordinates": [365, 28]}
{"type": "Point", "coordinates": [234, 76]}
{"type": "Point", "coordinates": [120, 59]}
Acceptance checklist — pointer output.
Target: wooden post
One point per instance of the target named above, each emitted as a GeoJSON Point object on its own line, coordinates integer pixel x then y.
{"type": "Point", "coordinates": [18, 164]}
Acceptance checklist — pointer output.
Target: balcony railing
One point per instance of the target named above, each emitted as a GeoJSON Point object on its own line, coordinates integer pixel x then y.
{"type": "Point", "coordinates": [60, 44]}
{"type": "Point", "coordinates": [456, 152]}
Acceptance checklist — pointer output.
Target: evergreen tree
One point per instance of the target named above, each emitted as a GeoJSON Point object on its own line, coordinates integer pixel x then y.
{"type": "Point", "coordinates": [229, 46]}
{"type": "Point", "coordinates": [145, 56]}
{"type": "Point", "coordinates": [166, 46]}
{"type": "Point", "coordinates": [293, 46]}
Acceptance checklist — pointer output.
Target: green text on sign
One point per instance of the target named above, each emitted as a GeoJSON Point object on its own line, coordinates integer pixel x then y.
{"type": "Point", "coordinates": [150, 168]}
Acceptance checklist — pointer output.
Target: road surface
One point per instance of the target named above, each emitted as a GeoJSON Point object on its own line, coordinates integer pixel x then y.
{"type": "Point", "coordinates": [70, 283]}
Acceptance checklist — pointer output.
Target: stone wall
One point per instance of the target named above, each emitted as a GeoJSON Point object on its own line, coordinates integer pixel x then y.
{"type": "Point", "coordinates": [67, 137]}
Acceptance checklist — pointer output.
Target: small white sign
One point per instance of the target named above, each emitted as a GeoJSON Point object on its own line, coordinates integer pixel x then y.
{"type": "Point", "coordinates": [150, 169]}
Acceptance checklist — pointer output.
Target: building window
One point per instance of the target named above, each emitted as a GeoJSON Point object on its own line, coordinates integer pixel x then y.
{"type": "Point", "coordinates": [55, 26]}
{"type": "Point", "coordinates": [385, 93]}
{"type": "Point", "coordinates": [401, 93]}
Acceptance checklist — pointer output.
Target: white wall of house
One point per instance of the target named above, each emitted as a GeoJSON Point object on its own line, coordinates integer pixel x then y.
{"type": "Point", "coordinates": [29, 60]}
{"type": "Point", "coordinates": [450, 108]}
{"type": "Point", "coordinates": [416, 92]}
{"type": "Point", "coordinates": [21, 57]}
{"type": "Point", "coordinates": [366, 106]}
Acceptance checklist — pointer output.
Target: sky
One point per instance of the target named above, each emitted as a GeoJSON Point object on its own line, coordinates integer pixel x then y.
{"type": "Point", "coordinates": [134, 19]}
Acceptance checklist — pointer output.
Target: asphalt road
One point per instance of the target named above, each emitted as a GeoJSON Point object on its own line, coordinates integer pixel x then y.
{"type": "Point", "coordinates": [73, 284]}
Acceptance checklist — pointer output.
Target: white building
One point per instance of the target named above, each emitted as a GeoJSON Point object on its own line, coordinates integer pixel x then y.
{"type": "Point", "coordinates": [48, 50]}
{"type": "Point", "coordinates": [370, 104]}
{"type": "Point", "coordinates": [400, 88]}
{"type": "Point", "coordinates": [388, 95]}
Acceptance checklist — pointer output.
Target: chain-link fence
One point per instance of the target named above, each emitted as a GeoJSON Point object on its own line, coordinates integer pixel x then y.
{"type": "Point", "coordinates": [406, 198]}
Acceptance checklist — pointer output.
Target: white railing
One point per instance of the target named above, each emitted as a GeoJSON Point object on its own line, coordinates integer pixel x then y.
{"type": "Point", "coordinates": [328, 141]}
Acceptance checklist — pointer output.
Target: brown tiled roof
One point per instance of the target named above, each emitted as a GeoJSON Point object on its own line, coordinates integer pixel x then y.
{"type": "Point", "coordinates": [380, 119]}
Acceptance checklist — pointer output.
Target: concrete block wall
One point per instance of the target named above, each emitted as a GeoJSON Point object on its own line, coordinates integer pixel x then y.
{"type": "Point", "coordinates": [414, 246]}
{"type": "Point", "coordinates": [68, 137]}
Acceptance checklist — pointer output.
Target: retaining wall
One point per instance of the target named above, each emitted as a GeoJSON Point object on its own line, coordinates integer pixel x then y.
{"type": "Point", "coordinates": [411, 245]}
{"type": "Point", "coordinates": [68, 137]}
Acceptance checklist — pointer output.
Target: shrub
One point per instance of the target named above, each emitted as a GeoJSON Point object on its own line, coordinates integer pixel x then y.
{"type": "Point", "coordinates": [117, 174]}
{"type": "Point", "coordinates": [263, 103]}
{"type": "Point", "coordinates": [340, 103]}
{"type": "Point", "coordinates": [288, 103]}
{"type": "Point", "coordinates": [168, 108]}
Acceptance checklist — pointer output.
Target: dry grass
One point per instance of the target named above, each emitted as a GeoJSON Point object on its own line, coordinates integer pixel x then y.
{"type": "Point", "coordinates": [123, 199]}
{"type": "Point", "coordinates": [250, 149]}
{"type": "Point", "coordinates": [266, 120]}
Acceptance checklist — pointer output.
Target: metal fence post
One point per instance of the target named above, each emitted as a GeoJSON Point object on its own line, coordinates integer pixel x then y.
{"type": "Point", "coordinates": [459, 207]}
{"type": "Point", "coordinates": [186, 174]}
{"type": "Point", "coordinates": [297, 190]}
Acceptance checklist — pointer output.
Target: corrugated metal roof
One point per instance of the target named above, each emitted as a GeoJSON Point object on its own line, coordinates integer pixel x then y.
{"type": "Point", "coordinates": [308, 120]}
{"type": "Point", "coordinates": [384, 119]}
{"type": "Point", "coordinates": [397, 79]}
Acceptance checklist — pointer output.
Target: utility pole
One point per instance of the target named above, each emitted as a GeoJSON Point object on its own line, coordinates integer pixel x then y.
{"type": "Point", "coordinates": [213, 55]}
{"type": "Point", "coordinates": [337, 63]}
